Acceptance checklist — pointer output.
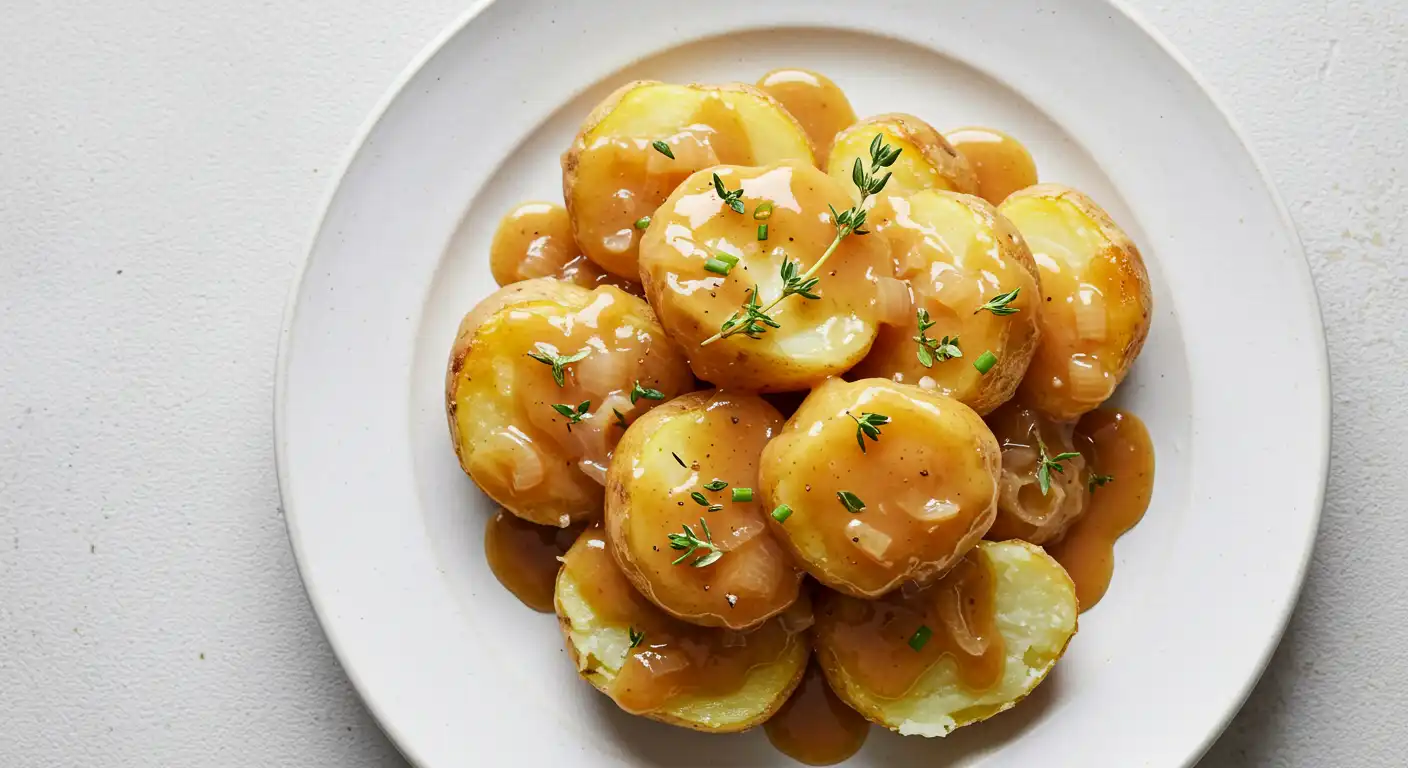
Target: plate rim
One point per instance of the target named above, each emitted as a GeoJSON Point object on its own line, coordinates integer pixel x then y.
{"type": "Point", "coordinates": [1320, 376]}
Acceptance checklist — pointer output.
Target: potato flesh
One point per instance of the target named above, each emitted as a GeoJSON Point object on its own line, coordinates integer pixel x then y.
{"type": "Point", "coordinates": [935, 459]}
{"type": "Point", "coordinates": [1023, 511]}
{"type": "Point", "coordinates": [1035, 611]}
{"type": "Point", "coordinates": [719, 437]}
{"type": "Point", "coordinates": [818, 337]}
{"type": "Point", "coordinates": [956, 253]}
{"type": "Point", "coordinates": [500, 400]}
{"type": "Point", "coordinates": [614, 176]}
{"type": "Point", "coordinates": [1098, 305]}
{"type": "Point", "coordinates": [926, 160]}
{"type": "Point", "coordinates": [599, 612]}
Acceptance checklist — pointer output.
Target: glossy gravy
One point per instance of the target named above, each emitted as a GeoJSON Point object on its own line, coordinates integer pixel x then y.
{"type": "Point", "coordinates": [1001, 163]}
{"type": "Point", "coordinates": [524, 556]}
{"type": "Point", "coordinates": [814, 726]}
{"type": "Point", "coordinates": [1117, 444]}
{"type": "Point", "coordinates": [818, 104]}
{"type": "Point", "coordinates": [673, 659]}
{"type": "Point", "coordinates": [535, 240]}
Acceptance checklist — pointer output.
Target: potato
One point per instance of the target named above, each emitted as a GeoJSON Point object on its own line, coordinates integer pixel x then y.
{"type": "Point", "coordinates": [651, 495]}
{"type": "Point", "coordinates": [612, 176]}
{"type": "Point", "coordinates": [818, 104]}
{"type": "Point", "coordinates": [1097, 299]}
{"type": "Point", "coordinates": [539, 464]}
{"type": "Point", "coordinates": [957, 253]}
{"type": "Point", "coordinates": [996, 626]}
{"type": "Point", "coordinates": [926, 160]}
{"type": "Point", "coordinates": [535, 240]}
{"type": "Point", "coordinates": [926, 480]}
{"type": "Point", "coordinates": [654, 665]}
{"type": "Point", "coordinates": [817, 337]}
{"type": "Point", "coordinates": [1024, 511]}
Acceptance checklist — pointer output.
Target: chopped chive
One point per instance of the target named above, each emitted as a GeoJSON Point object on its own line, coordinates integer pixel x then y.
{"type": "Point", "coordinates": [636, 637]}
{"type": "Point", "coordinates": [717, 266]}
{"type": "Point", "coordinates": [642, 222]}
{"type": "Point", "coordinates": [782, 513]}
{"type": "Point", "coordinates": [727, 258]}
{"type": "Point", "coordinates": [699, 499]}
{"type": "Point", "coordinates": [762, 231]}
{"type": "Point", "coordinates": [763, 211]}
{"type": "Point", "coordinates": [742, 494]}
{"type": "Point", "coordinates": [985, 362]}
{"type": "Point", "coordinates": [715, 485]}
{"type": "Point", "coordinates": [663, 148]}
{"type": "Point", "coordinates": [920, 638]}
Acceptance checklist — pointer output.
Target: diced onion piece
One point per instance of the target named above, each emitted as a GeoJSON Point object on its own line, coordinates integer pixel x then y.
{"type": "Point", "coordinates": [619, 241]}
{"type": "Point", "coordinates": [752, 572]}
{"type": "Point", "coordinates": [893, 302]}
{"type": "Point", "coordinates": [870, 540]}
{"type": "Point", "coordinates": [521, 458]}
{"type": "Point", "coordinates": [958, 293]}
{"type": "Point", "coordinates": [1090, 383]}
{"type": "Point", "coordinates": [934, 510]}
{"type": "Point", "coordinates": [1089, 309]}
{"type": "Point", "coordinates": [593, 470]}
{"type": "Point", "coordinates": [599, 373]}
{"type": "Point", "coordinates": [950, 607]}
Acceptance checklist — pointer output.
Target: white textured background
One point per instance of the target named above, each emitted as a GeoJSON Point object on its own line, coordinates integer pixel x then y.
{"type": "Point", "coordinates": [160, 166]}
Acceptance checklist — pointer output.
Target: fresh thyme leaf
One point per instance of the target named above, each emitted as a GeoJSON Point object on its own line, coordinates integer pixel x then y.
{"type": "Point", "coordinates": [932, 350]}
{"type": "Point", "coordinates": [733, 198]}
{"type": "Point", "coordinates": [636, 637]}
{"type": "Point", "coordinates": [850, 501]}
{"type": "Point", "coordinates": [920, 638]}
{"type": "Point", "coordinates": [715, 507]}
{"type": "Point", "coordinates": [547, 355]}
{"type": "Point", "coordinates": [620, 418]}
{"type": "Point", "coordinates": [715, 485]}
{"type": "Point", "coordinates": [678, 460]}
{"type": "Point", "coordinates": [699, 499]}
{"type": "Point", "coordinates": [690, 542]}
{"type": "Point", "coordinates": [1047, 464]}
{"type": "Point", "coordinates": [998, 305]}
{"type": "Point", "coordinates": [637, 392]}
{"type": "Point", "coordinates": [573, 415]}
{"type": "Point", "coordinates": [1099, 481]}
{"type": "Point", "coordinates": [662, 148]}
{"type": "Point", "coordinates": [868, 425]}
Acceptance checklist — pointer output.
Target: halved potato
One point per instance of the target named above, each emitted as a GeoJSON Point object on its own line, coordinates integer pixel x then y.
{"type": "Point", "coordinates": [1096, 305]}
{"type": "Point", "coordinates": [970, 646]}
{"type": "Point", "coordinates": [818, 104]}
{"type": "Point", "coordinates": [957, 253]}
{"type": "Point", "coordinates": [926, 160]}
{"type": "Point", "coordinates": [501, 397]}
{"type": "Point", "coordinates": [669, 461]}
{"type": "Point", "coordinates": [816, 337]}
{"type": "Point", "coordinates": [612, 176]}
{"type": "Point", "coordinates": [871, 508]}
{"type": "Point", "coordinates": [1024, 510]}
{"type": "Point", "coordinates": [535, 240]}
{"type": "Point", "coordinates": [654, 665]}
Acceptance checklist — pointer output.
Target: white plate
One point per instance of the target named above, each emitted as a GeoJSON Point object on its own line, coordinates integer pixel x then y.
{"type": "Point", "coordinates": [1233, 381]}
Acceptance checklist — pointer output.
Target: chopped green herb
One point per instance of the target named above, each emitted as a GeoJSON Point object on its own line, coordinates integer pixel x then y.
{"type": "Point", "coordinates": [714, 507]}
{"type": "Point", "coordinates": [998, 305]}
{"type": "Point", "coordinates": [573, 415]}
{"type": "Point", "coordinates": [636, 637]}
{"type": "Point", "coordinates": [932, 350]}
{"type": "Point", "coordinates": [782, 513]}
{"type": "Point", "coordinates": [691, 543]}
{"type": "Point", "coordinates": [762, 231]}
{"type": "Point", "coordinates": [868, 425]}
{"type": "Point", "coordinates": [742, 494]}
{"type": "Point", "coordinates": [620, 419]}
{"type": "Point", "coordinates": [642, 222]}
{"type": "Point", "coordinates": [920, 638]}
{"type": "Point", "coordinates": [733, 198]}
{"type": "Point", "coordinates": [662, 148]}
{"type": "Point", "coordinates": [1047, 464]}
{"type": "Point", "coordinates": [985, 362]}
{"type": "Point", "coordinates": [1099, 481]}
{"type": "Point", "coordinates": [850, 501]}
{"type": "Point", "coordinates": [718, 266]}
{"type": "Point", "coordinates": [699, 499]}
{"type": "Point", "coordinates": [637, 392]}
{"type": "Point", "coordinates": [547, 355]}
{"type": "Point", "coordinates": [763, 211]}
{"type": "Point", "coordinates": [715, 485]}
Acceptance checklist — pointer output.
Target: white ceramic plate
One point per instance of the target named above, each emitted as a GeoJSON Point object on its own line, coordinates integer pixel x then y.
{"type": "Point", "coordinates": [1232, 383]}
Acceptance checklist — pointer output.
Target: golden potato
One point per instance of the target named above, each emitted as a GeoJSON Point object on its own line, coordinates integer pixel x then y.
{"type": "Point", "coordinates": [1096, 305]}
{"type": "Point", "coordinates": [885, 483]}
{"type": "Point", "coordinates": [816, 337]}
{"type": "Point", "coordinates": [926, 160]}
{"type": "Point", "coordinates": [958, 255]}
{"type": "Point", "coordinates": [666, 477]}
{"type": "Point", "coordinates": [612, 176]}
{"type": "Point", "coordinates": [818, 104]}
{"type": "Point", "coordinates": [502, 392]}
{"type": "Point", "coordinates": [970, 646]}
{"type": "Point", "coordinates": [1024, 509]}
{"type": "Point", "coordinates": [535, 240]}
{"type": "Point", "coordinates": [654, 665]}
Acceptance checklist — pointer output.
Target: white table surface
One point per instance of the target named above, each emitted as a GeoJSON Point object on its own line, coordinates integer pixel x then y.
{"type": "Point", "coordinates": [160, 168]}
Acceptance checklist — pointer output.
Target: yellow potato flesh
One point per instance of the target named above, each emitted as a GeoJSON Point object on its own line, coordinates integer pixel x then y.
{"type": "Point", "coordinates": [926, 160]}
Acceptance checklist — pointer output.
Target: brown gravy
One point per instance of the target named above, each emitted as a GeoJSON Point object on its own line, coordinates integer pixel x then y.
{"type": "Point", "coordinates": [535, 240]}
{"type": "Point", "coordinates": [818, 104]}
{"type": "Point", "coordinates": [814, 726]}
{"type": "Point", "coordinates": [1117, 444]}
{"type": "Point", "coordinates": [888, 644]}
{"type": "Point", "coordinates": [523, 556]}
{"type": "Point", "coordinates": [673, 658]}
{"type": "Point", "coordinates": [1001, 163]}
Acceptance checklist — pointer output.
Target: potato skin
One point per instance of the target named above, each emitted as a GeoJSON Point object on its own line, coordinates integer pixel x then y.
{"type": "Point", "coordinates": [1115, 267]}
{"type": "Point", "coordinates": [927, 160]}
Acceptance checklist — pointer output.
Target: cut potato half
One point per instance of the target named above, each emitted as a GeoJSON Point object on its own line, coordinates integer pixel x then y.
{"type": "Point", "coordinates": [706, 679]}
{"type": "Point", "coordinates": [1024, 599]}
{"type": "Point", "coordinates": [926, 161]}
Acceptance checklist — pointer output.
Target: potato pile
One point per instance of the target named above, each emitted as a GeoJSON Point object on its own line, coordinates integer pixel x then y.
{"type": "Point", "coordinates": [762, 386]}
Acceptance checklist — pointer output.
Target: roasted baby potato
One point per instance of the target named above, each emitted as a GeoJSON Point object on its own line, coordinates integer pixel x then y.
{"type": "Point", "coordinates": [695, 293]}
{"type": "Point", "coordinates": [1097, 299]}
{"type": "Point", "coordinates": [926, 160]}
{"type": "Point", "coordinates": [966, 648]}
{"type": "Point", "coordinates": [687, 466]}
{"type": "Point", "coordinates": [882, 483]}
{"type": "Point", "coordinates": [958, 256]}
{"type": "Point", "coordinates": [1029, 508]}
{"type": "Point", "coordinates": [613, 176]}
{"type": "Point", "coordinates": [532, 347]}
{"type": "Point", "coordinates": [818, 104]}
{"type": "Point", "coordinates": [654, 665]}
{"type": "Point", "coordinates": [535, 240]}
